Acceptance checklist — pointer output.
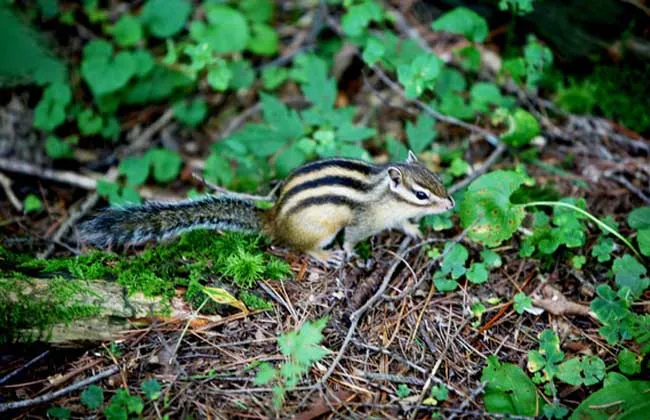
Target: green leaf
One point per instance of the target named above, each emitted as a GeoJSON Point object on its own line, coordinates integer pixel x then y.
{"type": "Point", "coordinates": [419, 75]}
{"type": "Point", "coordinates": [459, 167]}
{"type": "Point", "coordinates": [630, 273]}
{"type": "Point", "coordinates": [538, 59]}
{"type": "Point", "coordinates": [454, 261]}
{"type": "Point", "coordinates": [508, 389]}
{"type": "Point", "coordinates": [136, 170]}
{"type": "Point", "coordinates": [373, 51]}
{"type": "Point", "coordinates": [613, 378]}
{"type": "Point", "coordinates": [354, 133]}
{"type": "Point", "coordinates": [217, 169]}
{"type": "Point", "coordinates": [289, 159]}
{"type": "Point", "coordinates": [59, 413]}
{"type": "Point", "coordinates": [355, 21]}
{"type": "Point", "coordinates": [484, 94]}
{"type": "Point", "coordinates": [258, 139]}
{"type": "Point", "coordinates": [265, 374]}
{"type": "Point", "coordinates": [629, 362]}
{"type": "Point", "coordinates": [403, 391]}
{"type": "Point", "coordinates": [257, 10]}
{"type": "Point", "coordinates": [89, 123]}
{"type": "Point", "coordinates": [144, 62]}
{"type": "Point", "coordinates": [283, 120]}
{"type": "Point", "coordinates": [455, 105]}
{"type": "Point", "coordinates": [522, 302]}
{"type": "Point", "coordinates": [464, 22]}
{"type": "Point", "coordinates": [129, 195]}
{"type": "Point", "coordinates": [643, 238]}
{"type": "Point", "coordinates": [165, 18]}
{"type": "Point", "coordinates": [577, 261]}
{"type": "Point", "coordinates": [587, 370]}
{"type": "Point", "coordinates": [422, 134]}
{"type": "Point", "coordinates": [219, 75]}
{"type": "Point", "coordinates": [263, 39]}
{"type": "Point", "coordinates": [32, 204]}
{"type": "Point", "coordinates": [50, 111]}
{"type": "Point", "coordinates": [439, 392]}
{"type": "Point", "coordinates": [522, 127]}
{"type": "Point", "coordinates": [319, 88]}
{"type": "Point", "coordinates": [104, 72]}
{"type": "Point", "coordinates": [486, 208]}
{"type": "Point", "coordinates": [190, 113]}
{"type": "Point", "coordinates": [151, 389]}
{"type": "Point", "coordinates": [396, 149]}
{"type": "Point", "coordinates": [243, 74]}
{"type": "Point", "coordinates": [491, 258]}
{"type": "Point", "coordinates": [470, 58]}
{"type": "Point", "coordinates": [273, 77]}
{"type": "Point", "coordinates": [477, 273]}
{"type": "Point", "coordinates": [603, 249]}
{"type": "Point", "coordinates": [449, 81]}
{"type": "Point", "coordinates": [166, 164]}
{"type": "Point", "coordinates": [443, 283]}
{"type": "Point", "coordinates": [438, 222]}
{"type": "Point", "coordinates": [227, 32]}
{"type": "Point", "coordinates": [627, 400]}
{"type": "Point", "coordinates": [127, 31]}
{"type": "Point", "coordinates": [303, 346]}
{"type": "Point", "coordinates": [57, 148]}
{"type": "Point", "coordinates": [639, 218]}
{"type": "Point", "coordinates": [92, 397]}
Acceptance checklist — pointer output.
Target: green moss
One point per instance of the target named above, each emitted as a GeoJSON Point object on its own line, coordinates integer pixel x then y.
{"type": "Point", "coordinates": [255, 302]}
{"type": "Point", "coordinates": [26, 307]}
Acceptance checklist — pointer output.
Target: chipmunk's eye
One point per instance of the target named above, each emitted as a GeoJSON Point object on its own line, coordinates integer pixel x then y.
{"type": "Point", "coordinates": [421, 195]}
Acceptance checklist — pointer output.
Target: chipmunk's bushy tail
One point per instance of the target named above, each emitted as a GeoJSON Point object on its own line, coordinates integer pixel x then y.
{"type": "Point", "coordinates": [155, 220]}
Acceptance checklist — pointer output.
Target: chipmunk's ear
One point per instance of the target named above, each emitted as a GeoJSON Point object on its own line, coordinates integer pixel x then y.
{"type": "Point", "coordinates": [411, 157]}
{"type": "Point", "coordinates": [395, 176]}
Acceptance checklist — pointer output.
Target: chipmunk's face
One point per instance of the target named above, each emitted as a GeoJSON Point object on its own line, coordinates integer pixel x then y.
{"type": "Point", "coordinates": [420, 188]}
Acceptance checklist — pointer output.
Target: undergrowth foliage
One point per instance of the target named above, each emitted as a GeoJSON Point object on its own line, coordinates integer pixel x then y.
{"type": "Point", "coordinates": [165, 53]}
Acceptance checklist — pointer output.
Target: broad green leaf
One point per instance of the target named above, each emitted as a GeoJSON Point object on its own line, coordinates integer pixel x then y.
{"type": "Point", "coordinates": [421, 134]}
{"type": "Point", "coordinates": [454, 262]}
{"type": "Point", "coordinates": [354, 133]}
{"type": "Point", "coordinates": [219, 75]}
{"type": "Point", "coordinates": [92, 397]}
{"type": "Point", "coordinates": [89, 123]}
{"type": "Point", "coordinates": [289, 159]}
{"type": "Point", "coordinates": [444, 283]}
{"type": "Point", "coordinates": [319, 88]}
{"type": "Point", "coordinates": [104, 72]}
{"type": "Point", "coordinates": [624, 401]}
{"type": "Point", "coordinates": [166, 164]}
{"type": "Point", "coordinates": [470, 58]}
{"type": "Point", "coordinates": [643, 238]}
{"type": "Point", "coordinates": [223, 297]}
{"type": "Point", "coordinates": [630, 273]}
{"type": "Point", "coordinates": [263, 39]}
{"type": "Point", "coordinates": [477, 273]}
{"type": "Point", "coordinates": [396, 149]}
{"type": "Point", "coordinates": [538, 59]}
{"type": "Point", "coordinates": [57, 148]}
{"type": "Point", "coordinates": [373, 51]}
{"type": "Point", "coordinates": [629, 362]}
{"type": "Point", "coordinates": [303, 345]}
{"type": "Point", "coordinates": [491, 258]}
{"type": "Point", "coordinates": [484, 94]}
{"type": "Point", "coordinates": [129, 196]}
{"type": "Point", "coordinates": [586, 370]}
{"type": "Point", "coordinates": [59, 413]}
{"type": "Point", "coordinates": [190, 113]}
{"type": "Point", "coordinates": [487, 211]}
{"type": "Point", "coordinates": [32, 204]}
{"type": "Point", "coordinates": [449, 81]}
{"type": "Point", "coordinates": [243, 74]}
{"type": "Point", "coordinates": [273, 77]}
{"type": "Point", "coordinates": [165, 18]}
{"type": "Point", "coordinates": [127, 31]}
{"type": "Point", "coordinates": [218, 170]}
{"type": "Point", "coordinates": [459, 167]}
{"type": "Point", "coordinates": [159, 84]}
{"type": "Point", "coordinates": [282, 119]}
{"type": "Point", "coordinates": [226, 32]}
{"type": "Point", "coordinates": [509, 390]}
{"type": "Point", "coordinates": [355, 21]}
{"type": "Point", "coordinates": [136, 170]}
{"type": "Point", "coordinates": [639, 218]}
{"type": "Point", "coordinates": [144, 62]}
{"type": "Point", "coordinates": [463, 21]}
{"type": "Point", "coordinates": [50, 111]}
{"type": "Point", "coordinates": [257, 10]}
{"type": "Point", "coordinates": [455, 105]}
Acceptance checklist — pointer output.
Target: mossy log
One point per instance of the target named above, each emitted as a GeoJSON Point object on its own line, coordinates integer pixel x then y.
{"type": "Point", "coordinates": [66, 311]}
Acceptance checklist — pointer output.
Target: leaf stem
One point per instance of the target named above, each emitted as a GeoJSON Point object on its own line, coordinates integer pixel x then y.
{"type": "Point", "coordinates": [591, 217]}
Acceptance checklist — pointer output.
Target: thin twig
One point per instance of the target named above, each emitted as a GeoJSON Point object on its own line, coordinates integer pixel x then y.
{"type": "Point", "coordinates": [6, 185]}
{"type": "Point", "coordinates": [65, 177]}
{"type": "Point", "coordinates": [53, 395]}
{"type": "Point", "coordinates": [23, 367]}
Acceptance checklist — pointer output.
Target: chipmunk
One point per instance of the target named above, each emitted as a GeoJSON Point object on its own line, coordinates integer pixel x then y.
{"type": "Point", "coordinates": [313, 205]}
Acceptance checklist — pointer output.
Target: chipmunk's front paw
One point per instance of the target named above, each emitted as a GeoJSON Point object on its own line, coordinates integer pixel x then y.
{"type": "Point", "coordinates": [412, 230]}
{"type": "Point", "coordinates": [330, 259]}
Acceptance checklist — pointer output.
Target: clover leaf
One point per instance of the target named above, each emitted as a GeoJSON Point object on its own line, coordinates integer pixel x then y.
{"type": "Point", "coordinates": [104, 72]}
{"type": "Point", "coordinates": [454, 261]}
{"type": "Point", "coordinates": [166, 164]}
{"type": "Point", "coordinates": [226, 32]}
{"type": "Point", "coordinates": [89, 123]}
{"type": "Point", "coordinates": [192, 113]}
{"type": "Point", "coordinates": [165, 18]}
{"type": "Point", "coordinates": [135, 169]}
{"type": "Point", "coordinates": [463, 21]}
{"type": "Point", "coordinates": [92, 397]}
{"type": "Point", "coordinates": [486, 209]}
{"type": "Point", "coordinates": [477, 273]}
{"type": "Point", "coordinates": [50, 110]}
{"type": "Point", "coordinates": [127, 31]}
{"type": "Point", "coordinates": [57, 148]}
{"type": "Point", "coordinates": [630, 273]}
